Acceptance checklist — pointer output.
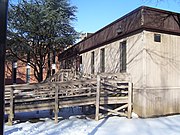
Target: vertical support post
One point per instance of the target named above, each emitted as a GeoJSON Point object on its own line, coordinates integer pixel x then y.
{"type": "Point", "coordinates": [56, 109]}
{"type": "Point", "coordinates": [62, 76]}
{"type": "Point", "coordinates": [3, 28]}
{"type": "Point", "coordinates": [129, 100]}
{"type": "Point", "coordinates": [11, 108]}
{"type": "Point", "coordinates": [98, 97]}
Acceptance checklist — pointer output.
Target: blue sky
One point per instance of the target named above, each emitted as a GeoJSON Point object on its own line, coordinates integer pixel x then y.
{"type": "Point", "coordinates": [93, 15]}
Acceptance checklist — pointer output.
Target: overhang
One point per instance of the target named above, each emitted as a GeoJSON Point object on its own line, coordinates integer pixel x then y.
{"type": "Point", "coordinates": [142, 18]}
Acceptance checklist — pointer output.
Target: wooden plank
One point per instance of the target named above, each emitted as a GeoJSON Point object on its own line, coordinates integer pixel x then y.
{"type": "Point", "coordinates": [27, 86]}
{"type": "Point", "coordinates": [47, 94]}
{"type": "Point", "coordinates": [121, 107]}
{"type": "Point", "coordinates": [76, 82]}
{"type": "Point", "coordinates": [62, 76]}
{"type": "Point", "coordinates": [124, 76]}
{"type": "Point", "coordinates": [28, 100]}
{"type": "Point", "coordinates": [115, 92]}
{"type": "Point", "coordinates": [70, 103]}
{"type": "Point", "coordinates": [129, 100]}
{"type": "Point", "coordinates": [56, 107]}
{"type": "Point", "coordinates": [98, 97]}
{"type": "Point", "coordinates": [112, 85]}
{"type": "Point", "coordinates": [113, 100]}
{"type": "Point", "coordinates": [11, 108]}
{"type": "Point", "coordinates": [79, 103]}
{"type": "Point", "coordinates": [70, 96]}
{"type": "Point", "coordinates": [75, 89]}
{"type": "Point", "coordinates": [112, 111]}
{"type": "Point", "coordinates": [48, 105]}
{"type": "Point", "coordinates": [92, 100]}
{"type": "Point", "coordinates": [33, 109]}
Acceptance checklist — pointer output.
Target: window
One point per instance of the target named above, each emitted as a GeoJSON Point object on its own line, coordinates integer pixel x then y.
{"type": "Point", "coordinates": [102, 60]}
{"type": "Point", "coordinates": [92, 63]}
{"type": "Point", "coordinates": [80, 59]}
{"type": "Point", "coordinates": [80, 65]}
{"type": "Point", "coordinates": [123, 56]}
{"type": "Point", "coordinates": [157, 37]}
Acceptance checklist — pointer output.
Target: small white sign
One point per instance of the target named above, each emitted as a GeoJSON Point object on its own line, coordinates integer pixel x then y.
{"type": "Point", "coordinates": [15, 65]}
{"type": "Point", "coordinates": [28, 65]}
{"type": "Point", "coordinates": [53, 66]}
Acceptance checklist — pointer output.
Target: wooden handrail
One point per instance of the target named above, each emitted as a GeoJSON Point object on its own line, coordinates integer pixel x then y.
{"type": "Point", "coordinates": [112, 88]}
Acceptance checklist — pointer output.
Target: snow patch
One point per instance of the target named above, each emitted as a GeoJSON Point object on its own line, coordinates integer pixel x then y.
{"type": "Point", "coordinates": [80, 125]}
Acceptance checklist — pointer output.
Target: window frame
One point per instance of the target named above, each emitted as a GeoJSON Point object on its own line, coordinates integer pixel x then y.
{"type": "Point", "coordinates": [123, 56]}
{"type": "Point", "coordinates": [102, 60]}
{"type": "Point", "coordinates": [157, 37]}
{"type": "Point", "coordinates": [92, 62]}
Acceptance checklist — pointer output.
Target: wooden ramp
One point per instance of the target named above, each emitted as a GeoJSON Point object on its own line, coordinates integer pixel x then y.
{"type": "Point", "coordinates": [109, 92]}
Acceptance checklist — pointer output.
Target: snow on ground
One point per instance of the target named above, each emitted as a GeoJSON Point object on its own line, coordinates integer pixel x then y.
{"type": "Point", "coordinates": [81, 125]}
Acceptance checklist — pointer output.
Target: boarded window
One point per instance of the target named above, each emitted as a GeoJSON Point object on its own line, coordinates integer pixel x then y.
{"type": "Point", "coordinates": [157, 37]}
{"type": "Point", "coordinates": [92, 63]}
{"type": "Point", "coordinates": [123, 56]}
{"type": "Point", "coordinates": [102, 60]}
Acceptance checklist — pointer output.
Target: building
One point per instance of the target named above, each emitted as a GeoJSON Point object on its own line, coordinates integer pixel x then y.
{"type": "Point", "coordinates": [20, 73]}
{"type": "Point", "coordinates": [144, 43]}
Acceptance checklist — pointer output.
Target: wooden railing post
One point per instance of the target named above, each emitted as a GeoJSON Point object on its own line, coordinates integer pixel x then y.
{"type": "Point", "coordinates": [11, 107]}
{"type": "Point", "coordinates": [129, 100]}
{"type": "Point", "coordinates": [56, 109]}
{"type": "Point", "coordinates": [98, 97]}
{"type": "Point", "coordinates": [62, 76]}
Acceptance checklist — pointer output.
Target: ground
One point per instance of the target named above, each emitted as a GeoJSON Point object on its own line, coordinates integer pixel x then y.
{"type": "Point", "coordinates": [40, 123]}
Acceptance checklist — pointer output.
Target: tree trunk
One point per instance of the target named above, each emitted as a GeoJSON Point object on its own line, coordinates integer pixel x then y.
{"type": "Point", "coordinates": [40, 75]}
{"type": "Point", "coordinates": [49, 65]}
{"type": "Point", "coordinates": [49, 62]}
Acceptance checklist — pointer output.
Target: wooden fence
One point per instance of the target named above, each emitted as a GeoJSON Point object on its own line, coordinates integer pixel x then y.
{"type": "Point", "coordinates": [102, 91]}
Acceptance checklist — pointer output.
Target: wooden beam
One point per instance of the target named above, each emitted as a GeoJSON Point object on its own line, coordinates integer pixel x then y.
{"type": "Point", "coordinates": [11, 108]}
{"type": "Point", "coordinates": [98, 97]}
{"type": "Point", "coordinates": [112, 111]}
{"type": "Point", "coordinates": [3, 29]}
{"type": "Point", "coordinates": [68, 94]}
{"type": "Point", "coordinates": [129, 100]}
{"type": "Point", "coordinates": [121, 107]}
{"type": "Point", "coordinates": [56, 109]}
